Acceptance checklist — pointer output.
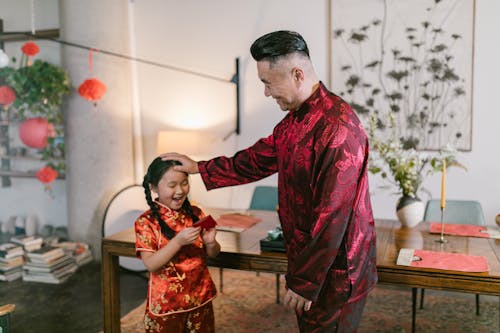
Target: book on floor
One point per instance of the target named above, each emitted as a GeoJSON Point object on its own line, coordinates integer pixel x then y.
{"type": "Point", "coordinates": [79, 251]}
{"type": "Point", "coordinates": [11, 262]}
{"type": "Point", "coordinates": [10, 250]}
{"type": "Point", "coordinates": [11, 274]}
{"type": "Point", "coordinates": [29, 243]}
{"type": "Point", "coordinates": [57, 275]}
{"type": "Point", "coordinates": [46, 252]}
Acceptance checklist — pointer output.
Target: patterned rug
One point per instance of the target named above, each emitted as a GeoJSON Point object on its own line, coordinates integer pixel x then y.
{"type": "Point", "coordinates": [248, 306]}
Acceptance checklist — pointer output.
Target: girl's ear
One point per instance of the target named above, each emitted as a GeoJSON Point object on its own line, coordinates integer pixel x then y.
{"type": "Point", "coordinates": [153, 189]}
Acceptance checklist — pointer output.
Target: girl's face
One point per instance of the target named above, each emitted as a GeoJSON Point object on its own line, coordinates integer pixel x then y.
{"type": "Point", "coordinates": [172, 189]}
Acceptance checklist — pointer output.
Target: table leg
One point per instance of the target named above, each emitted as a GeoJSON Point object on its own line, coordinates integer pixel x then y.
{"type": "Point", "coordinates": [413, 308]}
{"type": "Point", "coordinates": [110, 291]}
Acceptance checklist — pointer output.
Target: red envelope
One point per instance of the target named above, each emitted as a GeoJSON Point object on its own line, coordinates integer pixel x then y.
{"type": "Point", "coordinates": [207, 222]}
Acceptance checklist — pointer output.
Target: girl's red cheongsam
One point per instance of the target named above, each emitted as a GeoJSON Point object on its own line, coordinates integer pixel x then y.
{"type": "Point", "coordinates": [184, 283]}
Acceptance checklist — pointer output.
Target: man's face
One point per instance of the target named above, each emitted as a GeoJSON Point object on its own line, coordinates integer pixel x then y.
{"type": "Point", "coordinates": [280, 83]}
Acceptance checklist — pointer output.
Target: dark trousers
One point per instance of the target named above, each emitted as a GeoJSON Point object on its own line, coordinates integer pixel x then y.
{"type": "Point", "coordinates": [343, 318]}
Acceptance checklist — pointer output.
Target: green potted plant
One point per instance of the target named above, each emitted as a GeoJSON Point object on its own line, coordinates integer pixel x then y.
{"type": "Point", "coordinates": [39, 88]}
{"type": "Point", "coordinates": [406, 169]}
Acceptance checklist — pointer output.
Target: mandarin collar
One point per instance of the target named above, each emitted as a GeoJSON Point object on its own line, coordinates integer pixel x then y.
{"type": "Point", "coordinates": [312, 100]}
{"type": "Point", "coordinates": [169, 213]}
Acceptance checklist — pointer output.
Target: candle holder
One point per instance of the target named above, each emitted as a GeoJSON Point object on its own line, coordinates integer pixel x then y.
{"type": "Point", "coordinates": [441, 238]}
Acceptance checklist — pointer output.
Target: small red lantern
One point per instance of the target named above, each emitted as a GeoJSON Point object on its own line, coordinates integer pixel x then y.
{"type": "Point", "coordinates": [30, 49]}
{"type": "Point", "coordinates": [92, 89]}
{"type": "Point", "coordinates": [7, 95]}
{"type": "Point", "coordinates": [46, 175]}
{"type": "Point", "coordinates": [35, 131]}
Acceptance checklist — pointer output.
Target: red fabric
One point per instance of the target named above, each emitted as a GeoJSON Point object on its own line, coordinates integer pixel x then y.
{"type": "Point", "coordinates": [450, 261]}
{"type": "Point", "coordinates": [235, 220]}
{"type": "Point", "coordinates": [7, 95]}
{"type": "Point", "coordinates": [321, 153]}
{"type": "Point", "coordinates": [30, 49]}
{"type": "Point", "coordinates": [184, 283]}
{"type": "Point", "coordinates": [199, 320]}
{"type": "Point", "coordinates": [92, 89]}
{"type": "Point", "coordinates": [459, 229]}
{"type": "Point", "coordinates": [46, 175]}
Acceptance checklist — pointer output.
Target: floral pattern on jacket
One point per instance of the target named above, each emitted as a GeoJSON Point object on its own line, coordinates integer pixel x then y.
{"type": "Point", "coordinates": [184, 283]}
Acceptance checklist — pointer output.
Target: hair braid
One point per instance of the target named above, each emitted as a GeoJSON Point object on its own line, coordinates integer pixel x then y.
{"type": "Point", "coordinates": [165, 229]}
{"type": "Point", "coordinates": [189, 209]}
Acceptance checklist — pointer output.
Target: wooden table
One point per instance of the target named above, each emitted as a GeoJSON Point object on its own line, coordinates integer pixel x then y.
{"type": "Point", "coordinates": [242, 251]}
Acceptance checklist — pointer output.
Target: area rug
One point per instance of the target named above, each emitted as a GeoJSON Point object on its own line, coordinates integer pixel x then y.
{"type": "Point", "coordinates": [248, 305]}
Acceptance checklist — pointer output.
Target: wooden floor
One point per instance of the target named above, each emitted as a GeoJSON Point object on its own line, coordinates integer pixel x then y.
{"type": "Point", "coordinates": [74, 306]}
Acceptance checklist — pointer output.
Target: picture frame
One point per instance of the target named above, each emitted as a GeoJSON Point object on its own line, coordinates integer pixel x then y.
{"type": "Point", "coordinates": [406, 67]}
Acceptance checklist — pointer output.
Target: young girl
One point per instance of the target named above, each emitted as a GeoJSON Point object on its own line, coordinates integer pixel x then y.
{"type": "Point", "coordinates": [180, 290]}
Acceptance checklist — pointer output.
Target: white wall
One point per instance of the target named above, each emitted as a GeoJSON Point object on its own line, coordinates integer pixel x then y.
{"type": "Point", "coordinates": [206, 37]}
{"type": "Point", "coordinates": [27, 196]}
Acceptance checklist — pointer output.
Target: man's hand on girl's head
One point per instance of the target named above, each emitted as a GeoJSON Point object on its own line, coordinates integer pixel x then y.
{"type": "Point", "coordinates": [188, 165]}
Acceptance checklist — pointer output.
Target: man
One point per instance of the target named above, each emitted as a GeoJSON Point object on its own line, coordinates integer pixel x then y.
{"type": "Point", "coordinates": [320, 151]}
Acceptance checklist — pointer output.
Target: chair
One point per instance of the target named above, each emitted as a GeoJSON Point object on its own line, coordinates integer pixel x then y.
{"type": "Point", "coordinates": [458, 212]}
{"type": "Point", "coordinates": [266, 198]}
{"type": "Point", "coordinates": [5, 311]}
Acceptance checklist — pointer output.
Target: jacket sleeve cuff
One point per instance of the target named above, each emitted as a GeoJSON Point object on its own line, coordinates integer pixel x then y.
{"type": "Point", "coordinates": [304, 288]}
{"type": "Point", "coordinates": [202, 169]}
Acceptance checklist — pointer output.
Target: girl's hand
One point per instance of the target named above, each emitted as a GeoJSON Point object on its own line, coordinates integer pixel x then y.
{"type": "Point", "coordinates": [211, 244]}
{"type": "Point", "coordinates": [208, 235]}
{"type": "Point", "coordinates": [187, 236]}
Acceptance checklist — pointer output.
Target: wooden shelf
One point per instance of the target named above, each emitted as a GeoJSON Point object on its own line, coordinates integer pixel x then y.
{"type": "Point", "coordinates": [23, 174]}
{"type": "Point", "coordinates": [30, 158]}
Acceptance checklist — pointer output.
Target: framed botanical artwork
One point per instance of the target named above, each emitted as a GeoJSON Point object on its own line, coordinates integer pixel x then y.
{"type": "Point", "coordinates": [406, 67]}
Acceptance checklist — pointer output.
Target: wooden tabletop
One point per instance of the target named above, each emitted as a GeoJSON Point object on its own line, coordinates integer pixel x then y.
{"type": "Point", "coordinates": [242, 251]}
{"type": "Point", "coordinates": [391, 237]}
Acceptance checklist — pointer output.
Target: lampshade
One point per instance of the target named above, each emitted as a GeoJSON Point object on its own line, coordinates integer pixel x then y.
{"type": "Point", "coordinates": [183, 142]}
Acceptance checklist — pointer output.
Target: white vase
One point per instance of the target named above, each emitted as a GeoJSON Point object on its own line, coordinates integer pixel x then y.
{"type": "Point", "coordinates": [31, 225]}
{"type": "Point", "coordinates": [410, 211]}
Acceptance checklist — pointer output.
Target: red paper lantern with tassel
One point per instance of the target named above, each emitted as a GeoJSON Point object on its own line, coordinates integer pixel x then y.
{"type": "Point", "coordinates": [92, 89]}
{"type": "Point", "coordinates": [35, 131]}
{"type": "Point", "coordinates": [46, 175]}
{"type": "Point", "coordinates": [30, 49]}
{"type": "Point", "coordinates": [7, 95]}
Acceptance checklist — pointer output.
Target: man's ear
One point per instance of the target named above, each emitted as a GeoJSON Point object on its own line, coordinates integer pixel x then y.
{"type": "Point", "coordinates": [297, 74]}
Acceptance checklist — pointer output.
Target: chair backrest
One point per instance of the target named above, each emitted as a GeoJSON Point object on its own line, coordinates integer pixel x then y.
{"type": "Point", "coordinates": [264, 198]}
{"type": "Point", "coordinates": [456, 211]}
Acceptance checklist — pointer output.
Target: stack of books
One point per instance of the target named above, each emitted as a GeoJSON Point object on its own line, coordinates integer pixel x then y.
{"type": "Point", "coordinates": [272, 245]}
{"type": "Point", "coordinates": [29, 243]}
{"type": "Point", "coordinates": [11, 261]}
{"type": "Point", "coordinates": [80, 252]}
{"type": "Point", "coordinates": [49, 264]}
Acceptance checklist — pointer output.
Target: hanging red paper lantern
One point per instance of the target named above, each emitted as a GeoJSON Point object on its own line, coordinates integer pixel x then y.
{"type": "Point", "coordinates": [7, 95]}
{"type": "Point", "coordinates": [92, 89]}
{"type": "Point", "coordinates": [46, 175]}
{"type": "Point", "coordinates": [35, 131]}
{"type": "Point", "coordinates": [30, 49]}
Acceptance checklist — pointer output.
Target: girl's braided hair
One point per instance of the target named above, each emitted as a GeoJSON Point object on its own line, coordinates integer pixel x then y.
{"type": "Point", "coordinates": [155, 172]}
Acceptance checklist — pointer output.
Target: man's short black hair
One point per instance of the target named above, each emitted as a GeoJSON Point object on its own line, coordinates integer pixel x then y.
{"type": "Point", "coordinates": [277, 44]}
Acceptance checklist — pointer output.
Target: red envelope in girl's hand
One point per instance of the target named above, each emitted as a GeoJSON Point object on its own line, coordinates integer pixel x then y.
{"type": "Point", "coordinates": [207, 222]}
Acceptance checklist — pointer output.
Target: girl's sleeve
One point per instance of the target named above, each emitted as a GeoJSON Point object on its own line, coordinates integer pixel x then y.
{"type": "Point", "coordinates": [145, 239]}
